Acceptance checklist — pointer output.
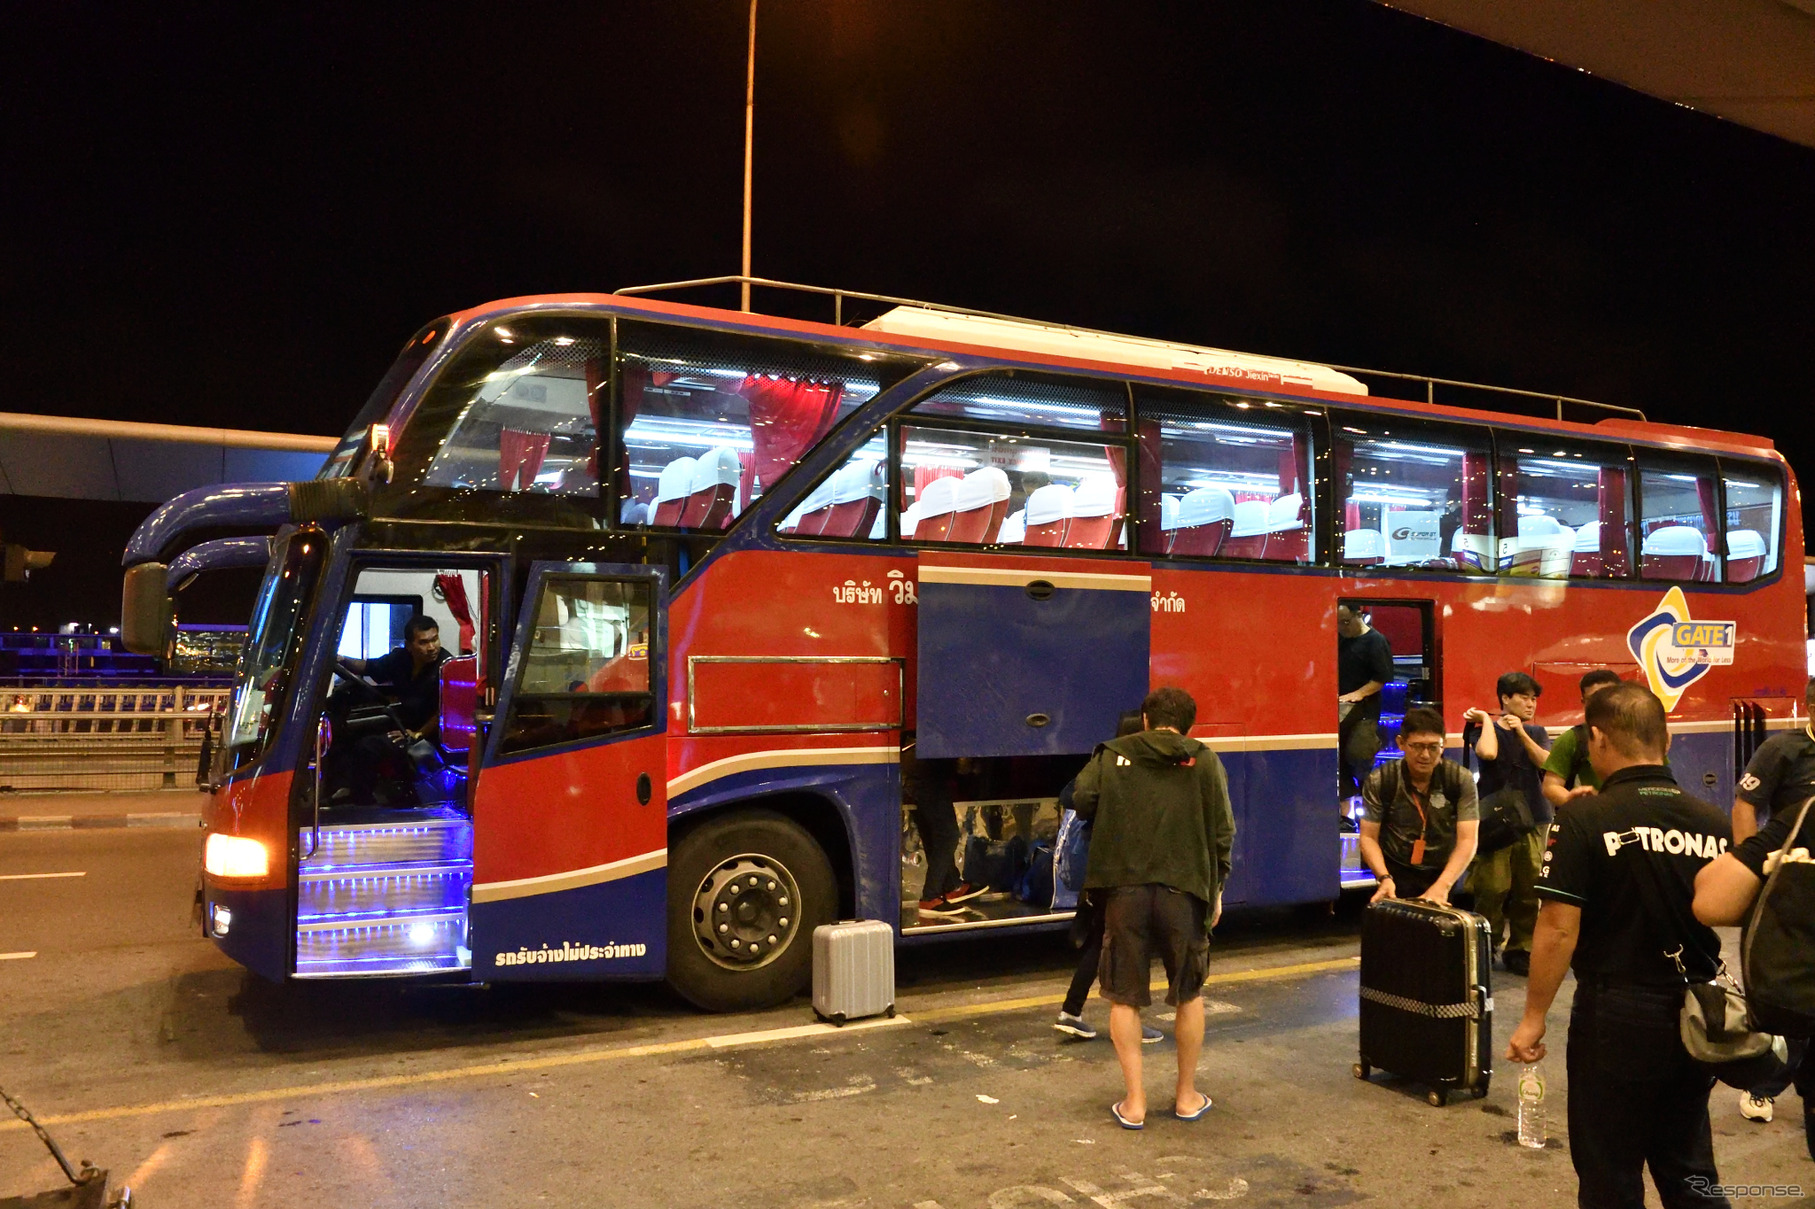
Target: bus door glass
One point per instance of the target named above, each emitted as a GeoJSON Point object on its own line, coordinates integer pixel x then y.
{"type": "Point", "coordinates": [570, 812]}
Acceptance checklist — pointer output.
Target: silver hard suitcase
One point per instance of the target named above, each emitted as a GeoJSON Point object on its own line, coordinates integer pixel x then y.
{"type": "Point", "coordinates": [853, 970]}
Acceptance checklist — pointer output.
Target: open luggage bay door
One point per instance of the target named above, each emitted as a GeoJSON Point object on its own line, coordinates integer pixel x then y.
{"type": "Point", "coordinates": [1028, 656]}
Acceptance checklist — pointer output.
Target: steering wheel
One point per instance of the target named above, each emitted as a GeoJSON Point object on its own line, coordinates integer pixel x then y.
{"type": "Point", "coordinates": [357, 682]}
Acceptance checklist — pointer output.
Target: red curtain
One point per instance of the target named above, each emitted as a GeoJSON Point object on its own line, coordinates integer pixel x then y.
{"type": "Point", "coordinates": [1147, 507]}
{"type": "Point", "coordinates": [1291, 465]}
{"type": "Point", "coordinates": [1616, 523]}
{"type": "Point", "coordinates": [451, 590]}
{"type": "Point", "coordinates": [595, 387]}
{"type": "Point", "coordinates": [787, 418]}
{"type": "Point", "coordinates": [927, 474]}
{"type": "Point", "coordinates": [520, 457]}
{"type": "Point", "coordinates": [1704, 494]}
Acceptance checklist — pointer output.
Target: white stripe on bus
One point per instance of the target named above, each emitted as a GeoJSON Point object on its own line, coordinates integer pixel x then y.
{"type": "Point", "coordinates": [1021, 578]}
{"type": "Point", "coordinates": [780, 758]}
{"type": "Point", "coordinates": [572, 879]}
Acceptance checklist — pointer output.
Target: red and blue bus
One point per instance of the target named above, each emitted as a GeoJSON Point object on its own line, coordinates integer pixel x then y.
{"type": "Point", "coordinates": [704, 576]}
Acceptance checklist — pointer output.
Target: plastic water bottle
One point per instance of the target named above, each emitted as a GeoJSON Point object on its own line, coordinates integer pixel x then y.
{"type": "Point", "coordinates": [1531, 1107]}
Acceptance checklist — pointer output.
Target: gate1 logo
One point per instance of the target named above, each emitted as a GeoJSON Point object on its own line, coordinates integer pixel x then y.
{"type": "Point", "coordinates": [1675, 650]}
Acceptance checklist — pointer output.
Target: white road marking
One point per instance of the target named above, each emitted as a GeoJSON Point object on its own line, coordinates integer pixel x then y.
{"type": "Point", "coordinates": [18, 956]}
{"type": "Point", "coordinates": [26, 877]}
{"type": "Point", "coordinates": [726, 1040]}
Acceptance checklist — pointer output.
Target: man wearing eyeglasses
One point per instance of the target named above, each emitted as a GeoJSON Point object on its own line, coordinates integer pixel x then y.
{"type": "Point", "coordinates": [1422, 815]}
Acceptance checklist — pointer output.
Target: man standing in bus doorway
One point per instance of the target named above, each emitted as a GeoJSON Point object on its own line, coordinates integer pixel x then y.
{"type": "Point", "coordinates": [1159, 854]}
{"type": "Point", "coordinates": [1567, 773]}
{"type": "Point", "coordinates": [1422, 816]}
{"type": "Point", "coordinates": [1364, 665]}
{"type": "Point", "coordinates": [411, 676]}
{"type": "Point", "coordinates": [1512, 752]}
{"type": "Point", "coordinates": [1618, 884]}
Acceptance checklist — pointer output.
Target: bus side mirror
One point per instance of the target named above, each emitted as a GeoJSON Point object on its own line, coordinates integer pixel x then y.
{"type": "Point", "coordinates": [147, 616]}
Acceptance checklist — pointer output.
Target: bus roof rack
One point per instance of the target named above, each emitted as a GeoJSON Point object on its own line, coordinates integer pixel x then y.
{"type": "Point", "coordinates": [838, 297]}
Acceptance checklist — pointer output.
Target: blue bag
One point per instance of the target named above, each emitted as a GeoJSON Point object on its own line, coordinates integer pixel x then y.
{"type": "Point", "coordinates": [1039, 887]}
{"type": "Point", "coordinates": [1073, 847]}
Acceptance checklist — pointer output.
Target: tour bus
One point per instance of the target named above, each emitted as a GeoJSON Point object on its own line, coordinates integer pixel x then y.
{"type": "Point", "coordinates": [708, 580]}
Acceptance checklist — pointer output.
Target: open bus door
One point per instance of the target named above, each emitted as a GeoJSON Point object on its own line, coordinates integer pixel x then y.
{"type": "Point", "coordinates": [570, 809]}
{"type": "Point", "coordinates": [1410, 630]}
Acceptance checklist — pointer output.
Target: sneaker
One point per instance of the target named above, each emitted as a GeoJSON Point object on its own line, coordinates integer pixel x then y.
{"type": "Point", "coordinates": [940, 908]}
{"type": "Point", "coordinates": [1075, 1026]}
{"type": "Point", "coordinates": [1151, 1035]}
{"type": "Point", "coordinates": [1517, 961]}
{"type": "Point", "coordinates": [1755, 1108]}
{"type": "Point", "coordinates": [964, 892]}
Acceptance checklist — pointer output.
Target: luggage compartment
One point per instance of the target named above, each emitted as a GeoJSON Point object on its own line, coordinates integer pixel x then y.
{"type": "Point", "coordinates": [1426, 1005]}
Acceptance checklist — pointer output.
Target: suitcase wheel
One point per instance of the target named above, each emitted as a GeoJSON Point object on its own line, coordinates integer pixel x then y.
{"type": "Point", "coordinates": [1363, 1070]}
{"type": "Point", "coordinates": [1438, 1098]}
{"type": "Point", "coordinates": [891, 1012]}
{"type": "Point", "coordinates": [837, 1018]}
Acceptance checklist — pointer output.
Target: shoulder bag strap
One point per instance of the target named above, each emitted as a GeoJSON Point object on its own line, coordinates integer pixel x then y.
{"type": "Point", "coordinates": [1658, 911]}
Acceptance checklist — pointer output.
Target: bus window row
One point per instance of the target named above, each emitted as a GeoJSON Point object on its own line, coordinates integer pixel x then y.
{"type": "Point", "coordinates": [708, 422]}
{"type": "Point", "coordinates": [1225, 478]}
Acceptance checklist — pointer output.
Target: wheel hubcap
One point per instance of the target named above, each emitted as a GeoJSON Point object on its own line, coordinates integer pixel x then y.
{"type": "Point", "coordinates": [746, 911]}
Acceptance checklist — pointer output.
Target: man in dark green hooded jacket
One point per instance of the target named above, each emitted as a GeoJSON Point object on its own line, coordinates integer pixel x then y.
{"type": "Point", "coordinates": [1159, 852]}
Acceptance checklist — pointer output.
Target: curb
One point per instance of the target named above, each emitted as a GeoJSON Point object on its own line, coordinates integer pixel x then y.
{"type": "Point", "coordinates": [84, 822]}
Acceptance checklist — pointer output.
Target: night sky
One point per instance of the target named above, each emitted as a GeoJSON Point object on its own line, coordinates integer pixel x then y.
{"type": "Point", "coordinates": [228, 216]}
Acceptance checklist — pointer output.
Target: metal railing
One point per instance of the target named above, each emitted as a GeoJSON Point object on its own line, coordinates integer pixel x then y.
{"type": "Point", "coordinates": [839, 297]}
{"type": "Point", "coordinates": [104, 739]}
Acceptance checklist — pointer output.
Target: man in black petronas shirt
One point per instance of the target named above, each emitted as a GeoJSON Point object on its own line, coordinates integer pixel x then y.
{"type": "Point", "coordinates": [1617, 886]}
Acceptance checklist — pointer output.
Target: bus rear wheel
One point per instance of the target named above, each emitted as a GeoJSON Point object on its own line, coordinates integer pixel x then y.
{"type": "Point", "coordinates": [744, 894]}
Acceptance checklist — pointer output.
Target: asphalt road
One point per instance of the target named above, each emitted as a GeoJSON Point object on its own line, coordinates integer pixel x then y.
{"type": "Point", "coordinates": [201, 1085]}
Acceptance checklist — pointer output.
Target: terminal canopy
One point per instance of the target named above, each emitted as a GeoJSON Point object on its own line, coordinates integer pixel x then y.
{"type": "Point", "coordinates": [63, 458]}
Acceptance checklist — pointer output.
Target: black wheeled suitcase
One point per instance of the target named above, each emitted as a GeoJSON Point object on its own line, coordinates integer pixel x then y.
{"type": "Point", "coordinates": [1426, 1007]}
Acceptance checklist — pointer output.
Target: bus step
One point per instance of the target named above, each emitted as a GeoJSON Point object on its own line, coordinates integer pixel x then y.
{"type": "Point", "coordinates": [412, 837]}
{"type": "Point", "coordinates": [416, 944]}
{"type": "Point", "coordinates": [377, 891]}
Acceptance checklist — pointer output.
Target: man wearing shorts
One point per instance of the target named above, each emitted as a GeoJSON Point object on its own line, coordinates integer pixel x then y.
{"type": "Point", "coordinates": [1159, 855]}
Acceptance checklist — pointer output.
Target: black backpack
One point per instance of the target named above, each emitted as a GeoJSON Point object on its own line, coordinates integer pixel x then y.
{"type": "Point", "coordinates": [1777, 954]}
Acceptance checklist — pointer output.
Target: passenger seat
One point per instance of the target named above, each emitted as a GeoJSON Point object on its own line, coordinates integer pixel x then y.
{"type": "Point", "coordinates": [672, 491]}
{"type": "Point", "coordinates": [1205, 516]}
{"type": "Point", "coordinates": [1047, 513]}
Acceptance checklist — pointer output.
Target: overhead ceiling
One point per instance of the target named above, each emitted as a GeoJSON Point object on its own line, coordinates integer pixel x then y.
{"type": "Point", "coordinates": [1749, 61]}
{"type": "Point", "coordinates": [104, 460]}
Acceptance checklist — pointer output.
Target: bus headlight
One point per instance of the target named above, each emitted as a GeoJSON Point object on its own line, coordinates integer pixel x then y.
{"type": "Point", "coordinates": [234, 856]}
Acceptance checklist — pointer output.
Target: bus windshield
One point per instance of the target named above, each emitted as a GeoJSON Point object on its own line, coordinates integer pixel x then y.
{"type": "Point", "coordinates": [266, 667]}
{"type": "Point", "coordinates": [378, 406]}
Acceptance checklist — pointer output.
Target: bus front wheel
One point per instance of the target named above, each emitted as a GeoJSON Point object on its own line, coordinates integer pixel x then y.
{"type": "Point", "coordinates": [744, 894]}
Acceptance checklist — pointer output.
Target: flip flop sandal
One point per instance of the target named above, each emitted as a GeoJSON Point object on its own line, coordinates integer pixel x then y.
{"type": "Point", "coordinates": [1193, 1116]}
{"type": "Point", "coordinates": [1115, 1110]}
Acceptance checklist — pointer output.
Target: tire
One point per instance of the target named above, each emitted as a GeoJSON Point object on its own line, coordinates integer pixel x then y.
{"type": "Point", "coordinates": [737, 870]}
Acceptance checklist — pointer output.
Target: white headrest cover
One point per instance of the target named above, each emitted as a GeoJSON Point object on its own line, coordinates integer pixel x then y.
{"type": "Point", "coordinates": [997, 480]}
{"type": "Point", "coordinates": [1094, 497]}
{"type": "Point", "coordinates": [1676, 540]}
{"type": "Point", "coordinates": [939, 497]}
{"type": "Point", "coordinates": [1168, 512]}
{"type": "Point", "coordinates": [1364, 543]}
{"type": "Point", "coordinates": [858, 481]}
{"type": "Point", "coordinates": [1014, 528]}
{"type": "Point", "coordinates": [718, 468]}
{"type": "Point", "coordinates": [1048, 504]}
{"type": "Point", "coordinates": [1539, 526]}
{"type": "Point", "coordinates": [1250, 518]}
{"type": "Point", "coordinates": [819, 497]}
{"type": "Point", "coordinates": [975, 493]}
{"type": "Point", "coordinates": [1283, 512]}
{"type": "Point", "coordinates": [1588, 538]}
{"type": "Point", "coordinates": [1745, 543]}
{"type": "Point", "coordinates": [676, 481]}
{"type": "Point", "coordinates": [1205, 506]}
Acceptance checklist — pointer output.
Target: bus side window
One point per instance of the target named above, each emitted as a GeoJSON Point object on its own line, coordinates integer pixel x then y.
{"type": "Point", "coordinates": [1223, 478]}
{"type": "Point", "coordinates": [1565, 508]}
{"type": "Point", "coordinates": [712, 422]}
{"type": "Point", "coordinates": [1415, 494]}
{"type": "Point", "coordinates": [1679, 520]}
{"type": "Point", "coordinates": [850, 501]}
{"type": "Point", "coordinates": [586, 672]}
{"type": "Point", "coordinates": [1023, 471]}
{"type": "Point", "coordinates": [1754, 519]}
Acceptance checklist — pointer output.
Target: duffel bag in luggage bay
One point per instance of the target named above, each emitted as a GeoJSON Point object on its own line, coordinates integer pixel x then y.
{"type": "Point", "coordinates": [1426, 1007]}
{"type": "Point", "coordinates": [853, 970]}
